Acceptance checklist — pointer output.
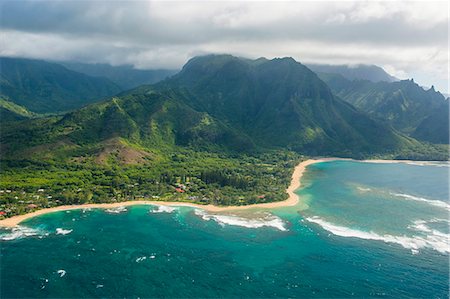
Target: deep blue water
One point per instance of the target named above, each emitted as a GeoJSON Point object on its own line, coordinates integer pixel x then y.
{"type": "Point", "coordinates": [361, 230]}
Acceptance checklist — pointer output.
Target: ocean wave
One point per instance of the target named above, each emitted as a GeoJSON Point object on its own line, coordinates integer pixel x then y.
{"type": "Point", "coordinates": [436, 241]}
{"type": "Point", "coordinates": [428, 163]}
{"type": "Point", "coordinates": [140, 259]}
{"type": "Point", "coordinates": [363, 189]}
{"type": "Point", "coordinates": [436, 203]}
{"type": "Point", "coordinates": [61, 272]}
{"type": "Point", "coordinates": [267, 221]}
{"type": "Point", "coordinates": [143, 258]}
{"type": "Point", "coordinates": [163, 209]}
{"type": "Point", "coordinates": [117, 210]}
{"type": "Point", "coordinates": [61, 231]}
{"type": "Point", "coordinates": [20, 232]}
{"type": "Point", "coordinates": [420, 225]}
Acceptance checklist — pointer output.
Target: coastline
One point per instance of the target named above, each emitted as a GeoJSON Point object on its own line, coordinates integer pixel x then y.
{"type": "Point", "coordinates": [292, 200]}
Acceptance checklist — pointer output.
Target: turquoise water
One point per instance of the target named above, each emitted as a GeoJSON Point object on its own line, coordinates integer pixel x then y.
{"type": "Point", "coordinates": [362, 230]}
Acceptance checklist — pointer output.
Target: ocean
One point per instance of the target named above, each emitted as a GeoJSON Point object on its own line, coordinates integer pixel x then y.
{"type": "Point", "coordinates": [359, 230]}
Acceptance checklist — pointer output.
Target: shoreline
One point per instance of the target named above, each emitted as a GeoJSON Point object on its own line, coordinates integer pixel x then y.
{"type": "Point", "coordinates": [292, 199]}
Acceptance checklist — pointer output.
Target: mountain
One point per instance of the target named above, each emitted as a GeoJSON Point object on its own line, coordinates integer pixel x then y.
{"type": "Point", "coordinates": [217, 103]}
{"type": "Point", "coordinates": [45, 87]}
{"type": "Point", "coordinates": [435, 128]}
{"type": "Point", "coordinates": [124, 76]}
{"type": "Point", "coordinates": [279, 103]}
{"type": "Point", "coordinates": [371, 73]}
{"type": "Point", "coordinates": [132, 124]}
{"type": "Point", "coordinates": [402, 104]}
{"type": "Point", "coordinates": [13, 112]}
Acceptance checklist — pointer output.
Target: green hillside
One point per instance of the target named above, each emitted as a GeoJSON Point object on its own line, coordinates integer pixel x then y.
{"type": "Point", "coordinates": [435, 128]}
{"type": "Point", "coordinates": [281, 103]}
{"type": "Point", "coordinates": [403, 104]}
{"type": "Point", "coordinates": [13, 112]}
{"type": "Point", "coordinates": [221, 103]}
{"type": "Point", "coordinates": [45, 87]}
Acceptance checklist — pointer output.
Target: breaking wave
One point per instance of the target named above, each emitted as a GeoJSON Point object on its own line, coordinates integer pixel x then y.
{"type": "Point", "coordinates": [61, 272]}
{"type": "Point", "coordinates": [20, 232]}
{"type": "Point", "coordinates": [428, 163]}
{"type": "Point", "coordinates": [267, 221]}
{"type": "Point", "coordinates": [117, 210]}
{"type": "Point", "coordinates": [163, 209]}
{"type": "Point", "coordinates": [434, 240]}
{"type": "Point", "coordinates": [436, 203]}
{"type": "Point", "coordinates": [363, 189]}
{"type": "Point", "coordinates": [61, 231]}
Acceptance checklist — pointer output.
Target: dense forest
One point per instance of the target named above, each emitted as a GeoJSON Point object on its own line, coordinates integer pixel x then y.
{"type": "Point", "coordinates": [200, 177]}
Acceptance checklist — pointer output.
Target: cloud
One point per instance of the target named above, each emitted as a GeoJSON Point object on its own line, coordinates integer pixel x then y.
{"type": "Point", "coordinates": [406, 38]}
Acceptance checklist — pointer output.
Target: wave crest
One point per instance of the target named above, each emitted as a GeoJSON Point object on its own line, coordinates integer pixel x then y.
{"type": "Point", "coordinates": [436, 241]}
{"type": "Point", "coordinates": [436, 203]}
{"type": "Point", "coordinates": [117, 210]}
{"type": "Point", "coordinates": [20, 232]}
{"type": "Point", "coordinates": [163, 209]}
{"type": "Point", "coordinates": [61, 231]}
{"type": "Point", "coordinates": [267, 221]}
{"type": "Point", "coordinates": [363, 189]}
{"type": "Point", "coordinates": [428, 163]}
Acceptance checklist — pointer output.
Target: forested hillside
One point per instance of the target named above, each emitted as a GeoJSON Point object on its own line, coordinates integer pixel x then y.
{"type": "Point", "coordinates": [46, 87]}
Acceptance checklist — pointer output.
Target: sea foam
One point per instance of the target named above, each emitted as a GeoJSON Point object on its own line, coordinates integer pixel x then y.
{"type": "Point", "coordinates": [428, 163]}
{"type": "Point", "coordinates": [20, 232]}
{"type": "Point", "coordinates": [163, 209]}
{"type": "Point", "coordinates": [363, 189]}
{"type": "Point", "coordinates": [437, 241]}
{"type": "Point", "coordinates": [61, 231]}
{"type": "Point", "coordinates": [267, 221]}
{"type": "Point", "coordinates": [117, 210]}
{"type": "Point", "coordinates": [61, 272]}
{"type": "Point", "coordinates": [436, 203]}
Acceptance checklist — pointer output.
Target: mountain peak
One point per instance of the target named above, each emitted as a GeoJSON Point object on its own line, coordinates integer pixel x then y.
{"type": "Point", "coordinates": [285, 59]}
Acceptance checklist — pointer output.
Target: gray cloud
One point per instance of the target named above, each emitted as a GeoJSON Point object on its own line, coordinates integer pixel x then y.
{"type": "Point", "coordinates": [407, 38]}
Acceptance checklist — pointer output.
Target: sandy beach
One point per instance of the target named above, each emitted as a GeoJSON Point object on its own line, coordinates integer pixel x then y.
{"type": "Point", "coordinates": [292, 200]}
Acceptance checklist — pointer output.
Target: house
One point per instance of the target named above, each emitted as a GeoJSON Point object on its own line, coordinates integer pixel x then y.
{"type": "Point", "coordinates": [2, 213]}
{"type": "Point", "coordinates": [32, 206]}
{"type": "Point", "coordinates": [179, 190]}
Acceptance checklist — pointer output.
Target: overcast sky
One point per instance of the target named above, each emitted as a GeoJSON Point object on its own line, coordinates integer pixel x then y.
{"type": "Point", "coordinates": [408, 39]}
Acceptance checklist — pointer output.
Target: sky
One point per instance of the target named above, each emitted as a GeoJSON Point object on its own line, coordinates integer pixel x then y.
{"type": "Point", "coordinates": [408, 39]}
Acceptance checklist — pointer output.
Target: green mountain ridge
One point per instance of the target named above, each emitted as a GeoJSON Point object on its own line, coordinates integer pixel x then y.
{"type": "Point", "coordinates": [220, 103]}
{"type": "Point", "coordinates": [435, 128]}
{"type": "Point", "coordinates": [10, 111]}
{"type": "Point", "coordinates": [45, 87]}
{"type": "Point", "coordinates": [403, 104]}
{"type": "Point", "coordinates": [280, 103]}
